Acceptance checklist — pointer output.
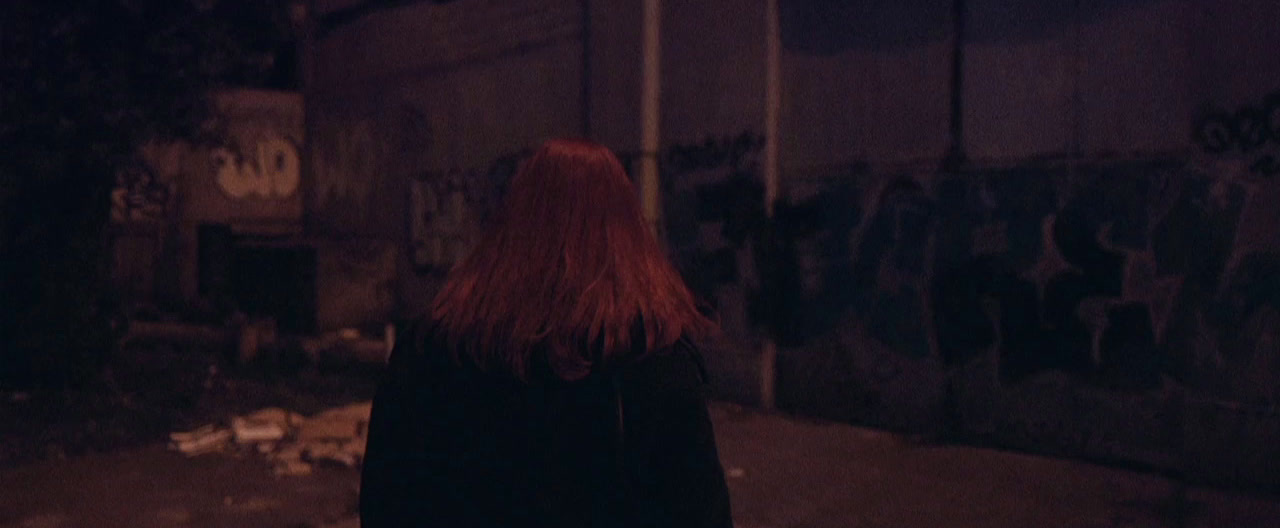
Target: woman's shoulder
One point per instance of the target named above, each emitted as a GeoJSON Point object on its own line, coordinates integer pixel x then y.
{"type": "Point", "coordinates": [678, 366]}
{"type": "Point", "coordinates": [418, 341]}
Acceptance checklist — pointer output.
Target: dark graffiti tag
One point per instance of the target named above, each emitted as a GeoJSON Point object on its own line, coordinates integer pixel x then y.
{"type": "Point", "coordinates": [733, 153]}
{"type": "Point", "coordinates": [139, 195]}
{"type": "Point", "coordinates": [1245, 131]}
{"type": "Point", "coordinates": [1069, 317]}
{"type": "Point", "coordinates": [447, 209]}
{"type": "Point", "coordinates": [728, 154]}
{"type": "Point", "coordinates": [1266, 166]}
{"type": "Point", "coordinates": [717, 182]}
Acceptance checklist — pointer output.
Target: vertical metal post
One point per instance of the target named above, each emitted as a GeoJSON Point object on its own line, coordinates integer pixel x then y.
{"type": "Point", "coordinates": [651, 113]}
{"type": "Point", "coordinates": [586, 68]}
{"type": "Point", "coordinates": [302, 14]}
{"type": "Point", "coordinates": [772, 112]}
{"type": "Point", "coordinates": [956, 156]}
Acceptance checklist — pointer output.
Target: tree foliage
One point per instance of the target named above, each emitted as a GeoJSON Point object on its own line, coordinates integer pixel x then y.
{"type": "Point", "coordinates": [85, 84]}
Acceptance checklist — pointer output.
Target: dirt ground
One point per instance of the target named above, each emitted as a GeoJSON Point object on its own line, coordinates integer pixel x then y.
{"type": "Point", "coordinates": [98, 459]}
{"type": "Point", "coordinates": [97, 455]}
{"type": "Point", "coordinates": [782, 473]}
{"type": "Point", "coordinates": [153, 390]}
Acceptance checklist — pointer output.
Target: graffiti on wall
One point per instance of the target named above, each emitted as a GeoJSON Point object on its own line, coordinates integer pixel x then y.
{"type": "Point", "coordinates": [716, 180]}
{"type": "Point", "coordinates": [139, 195]}
{"type": "Point", "coordinates": [270, 168]}
{"type": "Point", "coordinates": [873, 253]}
{"type": "Point", "coordinates": [347, 156]}
{"type": "Point", "coordinates": [1048, 288]}
{"type": "Point", "coordinates": [1119, 279]}
{"type": "Point", "coordinates": [362, 157]}
{"type": "Point", "coordinates": [1251, 131]}
{"type": "Point", "coordinates": [1103, 275]}
{"type": "Point", "coordinates": [447, 209]}
{"type": "Point", "coordinates": [1120, 285]}
{"type": "Point", "coordinates": [858, 246]}
{"type": "Point", "coordinates": [1115, 274]}
{"type": "Point", "coordinates": [734, 153]}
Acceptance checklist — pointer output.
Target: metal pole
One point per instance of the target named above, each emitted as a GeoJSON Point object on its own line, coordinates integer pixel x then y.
{"type": "Point", "coordinates": [650, 110]}
{"type": "Point", "coordinates": [586, 68]}
{"type": "Point", "coordinates": [772, 111]}
{"type": "Point", "coordinates": [956, 157]}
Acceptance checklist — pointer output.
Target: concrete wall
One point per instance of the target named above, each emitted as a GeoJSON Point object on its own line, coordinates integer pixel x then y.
{"type": "Point", "coordinates": [1097, 280]}
{"type": "Point", "coordinates": [250, 183]}
{"type": "Point", "coordinates": [1108, 78]}
{"type": "Point", "coordinates": [865, 83]}
{"type": "Point", "coordinates": [713, 69]}
{"type": "Point", "coordinates": [419, 113]}
{"type": "Point", "coordinates": [253, 180]}
{"type": "Point", "coordinates": [614, 71]}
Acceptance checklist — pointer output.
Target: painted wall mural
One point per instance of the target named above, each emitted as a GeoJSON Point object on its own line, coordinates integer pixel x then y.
{"type": "Point", "coordinates": [251, 175]}
{"type": "Point", "coordinates": [447, 209]}
{"type": "Point", "coordinates": [1251, 131]}
{"type": "Point", "coordinates": [141, 196]}
{"type": "Point", "coordinates": [347, 156]}
{"type": "Point", "coordinates": [360, 161]}
{"type": "Point", "coordinates": [1089, 310]}
{"type": "Point", "coordinates": [1102, 309]}
{"type": "Point", "coordinates": [270, 168]}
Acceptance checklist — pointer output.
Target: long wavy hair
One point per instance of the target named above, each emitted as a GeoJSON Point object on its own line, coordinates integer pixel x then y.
{"type": "Point", "coordinates": [569, 268]}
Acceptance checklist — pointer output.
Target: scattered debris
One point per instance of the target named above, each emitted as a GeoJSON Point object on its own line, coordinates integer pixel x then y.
{"type": "Point", "coordinates": [340, 423]}
{"type": "Point", "coordinates": [254, 336]}
{"type": "Point", "coordinates": [250, 504]}
{"type": "Point", "coordinates": [206, 439]}
{"type": "Point", "coordinates": [51, 520]}
{"type": "Point", "coordinates": [333, 453]}
{"type": "Point", "coordinates": [349, 345]}
{"type": "Point", "coordinates": [180, 516]}
{"type": "Point", "coordinates": [291, 468]}
{"type": "Point", "coordinates": [256, 432]}
{"type": "Point", "coordinates": [265, 426]}
{"type": "Point", "coordinates": [174, 332]}
{"type": "Point", "coordinates": [293, 443]}
{"type": "Point", "coordinates": [352, 522]}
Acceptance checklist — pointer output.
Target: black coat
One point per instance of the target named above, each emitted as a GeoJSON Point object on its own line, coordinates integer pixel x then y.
{"type": "Point", "coordinates": [452, 446]}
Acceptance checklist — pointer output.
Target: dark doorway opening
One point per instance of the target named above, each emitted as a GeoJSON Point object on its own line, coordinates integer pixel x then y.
{"type": "Point", "coordinates": [277, 282]}
{"type": "Point", "coordinates": [261, 277]}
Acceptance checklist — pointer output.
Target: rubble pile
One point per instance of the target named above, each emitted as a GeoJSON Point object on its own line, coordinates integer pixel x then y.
{"type": "Point", "coordinates": [294, 444]}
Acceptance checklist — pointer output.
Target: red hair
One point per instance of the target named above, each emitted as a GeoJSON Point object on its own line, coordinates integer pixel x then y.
{"type": "Point", "coordinates": [569, 268]}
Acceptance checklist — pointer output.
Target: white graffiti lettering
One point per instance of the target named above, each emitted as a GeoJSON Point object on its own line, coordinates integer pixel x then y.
{"type": "Point", "coordinates": [272, 172]}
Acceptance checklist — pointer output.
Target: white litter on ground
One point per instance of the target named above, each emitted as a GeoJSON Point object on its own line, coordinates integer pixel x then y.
{"type": "Point", "coordinates": [294, 444]}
